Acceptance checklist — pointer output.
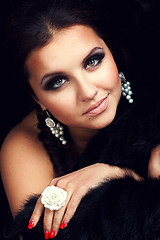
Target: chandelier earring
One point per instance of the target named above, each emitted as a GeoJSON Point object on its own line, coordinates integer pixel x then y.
{"type": "Point", "coordinates": [56, 129]}
{"type": "Point", "coordinates": [126, 88]}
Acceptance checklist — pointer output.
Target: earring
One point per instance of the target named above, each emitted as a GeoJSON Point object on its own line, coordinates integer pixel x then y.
{"type": "Point", "coordinates": [56, 129]}
{"type": "Point", "coordinates": [126, 88]}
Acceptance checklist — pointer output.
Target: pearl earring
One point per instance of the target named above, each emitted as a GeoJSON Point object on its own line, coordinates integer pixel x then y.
{"type": "Point", "coordinates": [56, 129]}
{"type": "Point", "coordinates": [126, 88]}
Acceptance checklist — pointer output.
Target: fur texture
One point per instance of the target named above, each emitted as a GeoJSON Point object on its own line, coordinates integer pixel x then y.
{"type": "Point", "coordinates": [121, 208]}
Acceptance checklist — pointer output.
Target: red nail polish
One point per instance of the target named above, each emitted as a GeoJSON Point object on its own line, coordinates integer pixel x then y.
{"type": "Point", "coordinates": [63, 224]}
{"type": "Point", "coordinates": [46, 235]}
{"type": "Point", "coordinates": [31, 224]}
{"type": "Point", "coordinates": [52, 233]}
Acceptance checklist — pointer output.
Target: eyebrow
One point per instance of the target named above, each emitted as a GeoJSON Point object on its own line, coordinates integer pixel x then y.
{"type": "Point", "coordinates": [61, 73]}
{"type": "Point", "coordinates": [91, 53]}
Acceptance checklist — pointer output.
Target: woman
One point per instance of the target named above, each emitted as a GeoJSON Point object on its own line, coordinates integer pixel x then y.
{"type": "Point", "coordinates": [77, 86]}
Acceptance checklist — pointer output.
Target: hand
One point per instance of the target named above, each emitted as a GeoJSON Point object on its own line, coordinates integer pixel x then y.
{"type": "Point", "coordinates": [77, 184]}
{"type": "Point", "coordinates": [154, 163]}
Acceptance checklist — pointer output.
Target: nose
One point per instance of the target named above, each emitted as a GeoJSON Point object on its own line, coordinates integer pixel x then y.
{"type": "Point", "coordinates": [86, 89]}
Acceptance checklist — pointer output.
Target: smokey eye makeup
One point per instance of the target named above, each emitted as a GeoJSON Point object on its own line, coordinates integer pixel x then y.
{"type": "Point", "coordinates": [94, 61]}
{"type": "Point", "coordinates": [55, 83]}
{"type": "Point", "coordinates": [91, 62]}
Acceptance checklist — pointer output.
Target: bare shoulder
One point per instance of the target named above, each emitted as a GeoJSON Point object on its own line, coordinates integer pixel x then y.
{"type": "Point", "coordinates": [26, 129]}
{"type": "Point", "coordinates": [25, 165]}
{"type": "Point", "coordinates": [23, 141]}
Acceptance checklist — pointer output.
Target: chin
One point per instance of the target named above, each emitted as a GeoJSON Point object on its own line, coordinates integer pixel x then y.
{"type": "Point", "coordinates": [103, 121]}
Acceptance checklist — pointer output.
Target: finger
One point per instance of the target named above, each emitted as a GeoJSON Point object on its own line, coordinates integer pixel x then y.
{"type": "Point", "coordinates": [47, 222]}
{"type": "Point", "coordinates": [71, 209]}
{"type": "Point", "coordinates": [57, 219]}
{"type": "Point", "coordinates": [54, 181]}
{"type": "Point", "coordinates": [37, 212]}
{"type": "Point", "coordinates": [59, 214]}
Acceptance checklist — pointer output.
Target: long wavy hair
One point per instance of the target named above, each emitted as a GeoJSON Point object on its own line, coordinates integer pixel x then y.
{"type": "Point", "coordinates": [32, 26]}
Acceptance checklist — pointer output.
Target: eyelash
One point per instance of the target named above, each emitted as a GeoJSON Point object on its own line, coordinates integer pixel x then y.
{"type": "Point", "coordinates": [97, 57]}
{"type": "Point", "coordinates": [52, 83]}
{"type": "Point", "coordinates": [95, 60]}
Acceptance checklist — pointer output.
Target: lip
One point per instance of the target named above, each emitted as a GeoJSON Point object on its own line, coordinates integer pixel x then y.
{"type": "Point", "coordinates": [97, 108]}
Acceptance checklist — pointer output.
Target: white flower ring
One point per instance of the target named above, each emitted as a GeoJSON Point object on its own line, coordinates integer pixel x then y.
{"type": "Point", "coordinates": [53, 197]}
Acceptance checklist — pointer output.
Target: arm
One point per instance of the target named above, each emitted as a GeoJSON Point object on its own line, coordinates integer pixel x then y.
{"type": "Point", "coordinates": [24, 163]}
{"type": "Point", "coordinates": [26, 170]}
{"type": "Point", "coordinates": [119, 209]}
{"type": "Point", "coordinates": [154, 163]}
{"type": "Point", "coordinates": [77, 185]}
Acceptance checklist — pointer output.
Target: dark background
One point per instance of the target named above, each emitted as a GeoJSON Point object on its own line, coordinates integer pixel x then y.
{"type": "Point", "coordinates": [139, 21]}
{"type": "Point", "coordinates": [140, 30]}
{"type": "Point", "coordinates": [15, 102]}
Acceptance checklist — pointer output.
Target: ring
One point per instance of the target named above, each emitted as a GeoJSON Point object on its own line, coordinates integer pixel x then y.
{"type": "Point", "coordinates": [53, 197]}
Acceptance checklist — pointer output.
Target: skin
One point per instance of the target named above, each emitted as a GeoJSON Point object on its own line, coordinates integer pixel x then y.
{"type": "Point", "coordinates": [87, 83]}
{"type": "Point", "coordinates": [65, 53]}
{"type": "Point", "coordinates": [154, 163]}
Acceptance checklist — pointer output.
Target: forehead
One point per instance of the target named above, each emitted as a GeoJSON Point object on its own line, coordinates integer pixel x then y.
{"type": "Point", "coordinates": [73, 41]}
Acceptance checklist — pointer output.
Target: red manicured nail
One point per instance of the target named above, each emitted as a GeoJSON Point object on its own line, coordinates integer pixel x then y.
{"type": "Point", "coordinates": [52, 233]}
{"type": "Point", "coordinates": [46, 235]}
{"type": "Point", "coordinates": [63, 224]}
{"type": "Point", "coordinates": [31, 224]}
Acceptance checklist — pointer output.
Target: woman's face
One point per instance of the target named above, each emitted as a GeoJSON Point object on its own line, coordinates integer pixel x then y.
{"type": "Point", "coordinates": [76, 79]}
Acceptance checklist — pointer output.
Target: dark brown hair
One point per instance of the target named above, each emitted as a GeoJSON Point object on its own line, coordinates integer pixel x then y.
{"type": "Point", "coordinates": [32, 26]}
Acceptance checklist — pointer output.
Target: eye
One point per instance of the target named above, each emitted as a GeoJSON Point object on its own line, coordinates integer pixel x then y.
{"type": "Point", "coordinates": [94, 61]}
{"type": "Point", "coordinates": [55, 83]}
{"type": "Point", "coordinates": [59, 82]}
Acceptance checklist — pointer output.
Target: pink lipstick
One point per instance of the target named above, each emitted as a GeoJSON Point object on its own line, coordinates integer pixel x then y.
{"type": "Point", "coordinates": [97, 108]}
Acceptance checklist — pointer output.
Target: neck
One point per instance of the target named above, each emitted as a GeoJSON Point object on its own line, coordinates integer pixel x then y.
{"type": "Point", "coordinates": [81, 137]}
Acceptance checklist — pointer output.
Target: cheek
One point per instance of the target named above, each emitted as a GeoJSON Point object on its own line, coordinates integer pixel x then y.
{"type": "Point", "coordinates": [109, 80]}
{"type": "Point", "coordinates": [108, 74]}
{"type": "Point", "coordinates": [59, 105]}
{"type": "Point", "coordinates": [116, 83]}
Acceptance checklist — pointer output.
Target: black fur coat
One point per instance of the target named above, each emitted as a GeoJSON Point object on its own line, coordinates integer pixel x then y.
{"type": "Point", "coordinates": [119, 209]}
